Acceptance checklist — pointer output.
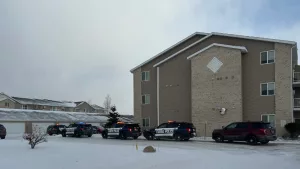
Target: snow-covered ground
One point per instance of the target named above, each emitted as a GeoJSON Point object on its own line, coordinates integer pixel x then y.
{"type": "Point", "coordinates": [96, 153]}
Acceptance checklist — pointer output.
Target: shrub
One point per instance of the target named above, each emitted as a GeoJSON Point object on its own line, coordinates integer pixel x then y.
{"type": "Point", "coordinates": [38, 135]}
{"type": "Point", "coordinates": [293, 129]}
{"type": "Point", "coordinates": [149, 149]}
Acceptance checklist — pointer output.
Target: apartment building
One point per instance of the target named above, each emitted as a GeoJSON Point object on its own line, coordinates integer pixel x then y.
{"type": "Point", "coordinates": [12, 102]}
{"type": "Point", "coordinates": [213, 79]}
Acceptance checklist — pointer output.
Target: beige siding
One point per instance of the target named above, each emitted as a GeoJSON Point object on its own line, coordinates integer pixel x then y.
{"type": "Point", "coordinates": [137, 96]}
{"type": "Point", "coordinates": [209, 94]}
{"type": "Point", "coordinates": [283, 86]}
{"type": "Point", "coordinates": [11, 104]}
{"type": "Point", "coordinates": [85, 106]}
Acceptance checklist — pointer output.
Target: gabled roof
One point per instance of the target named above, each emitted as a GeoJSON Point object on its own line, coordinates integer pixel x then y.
{"type": "Point", "coordinates": [216, 34]}
{"type": "Point", "coordinates": [8, 97]}
{"type": "Point", "coordinates": [43, 102]}
{"type": "Point", "coordinates": [173, 46]}
{"type": "Point", "coordinates": [96, 107]}
{"type": "Point", "coordinates": [242, 48]}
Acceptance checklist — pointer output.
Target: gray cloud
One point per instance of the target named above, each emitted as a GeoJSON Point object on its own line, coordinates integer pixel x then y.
{"type": "Point", "coordinates": [83, 50]}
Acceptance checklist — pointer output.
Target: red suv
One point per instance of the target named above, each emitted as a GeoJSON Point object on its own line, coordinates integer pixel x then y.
{"type": "Point", "coordinates": [251, 132]}
{"type": "Point", "coordinates": [2, 131]}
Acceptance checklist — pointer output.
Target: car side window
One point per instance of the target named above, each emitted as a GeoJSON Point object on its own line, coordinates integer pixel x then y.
{"type": "Point", "coordinates": [242, 126]}
{"type": "Point", "coordinates": [231, 126]}
{"type": "Point", "coordinates": [164, 125]}
{"type": "Point", "coordinates": [172, 125]}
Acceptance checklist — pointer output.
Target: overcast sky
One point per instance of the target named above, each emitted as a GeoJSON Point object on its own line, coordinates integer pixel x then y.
{"type": "Point", "coordinates": [82, 50]}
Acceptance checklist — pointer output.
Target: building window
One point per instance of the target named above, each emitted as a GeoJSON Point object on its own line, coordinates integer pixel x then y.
{"type": "Point", "coordinates": [146, 76]}
{"type": "Point", "coordinates": [268, 118]}
{"type": "Point", "coordinates": [54, 109]}
{"type": "Point", "coordinates": [24, 107]}
{"type": "Point", "coordinates": [6, 104]}
{"type": "Point", "coordinates": [267, 89]}
{"type": "Point", "coordinates": [146, 122]}
{"type": "Point", "coordinates": [84, 110]}
{"type": "Point", "coordinates": [146, 99]}
{"type": "Point", "coordinates": [267, 57]}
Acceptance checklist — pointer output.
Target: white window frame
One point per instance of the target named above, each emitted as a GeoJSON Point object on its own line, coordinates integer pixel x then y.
{"type": "Point", "coordinates": [145, 122]}
{"type": "Point", "coordinates": [84, 110]}
{"type": "Point", "coordinates": [23, 107]}
{"type": "Point", "coordinates": [146, 72]}
{"type": "Point", "coordinates": [267, 88]}
{"type": "Point", "coordinates": [267, 57]}
{"type": "Point", "coordinates": [6, 104]}
{"type": "Point", "coordinates": [53, 108]}
{"type": "Point", "coordinates": [268, 115]}
{"type": "Point", "coordinates": [145, 95]}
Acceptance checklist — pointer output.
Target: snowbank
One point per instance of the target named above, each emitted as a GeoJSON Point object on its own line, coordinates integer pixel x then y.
{"type": "Point", "coordinates": [41, 115]}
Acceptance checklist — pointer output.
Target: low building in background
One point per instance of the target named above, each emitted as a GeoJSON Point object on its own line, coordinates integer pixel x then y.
{"type": "Point", "coordinates": [11, 102]}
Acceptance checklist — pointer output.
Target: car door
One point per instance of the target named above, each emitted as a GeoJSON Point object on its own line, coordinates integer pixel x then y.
{"type": "Point", "coordinates": [171, 127]}
{"type": "Point", "coordinates": [241, 130]}
{"type": "Point", "coordinates": [160, 130]}
{"type": "Point", "coordinates": [229, 131]}
{"type": "Point", "coordinates": [71, 128]}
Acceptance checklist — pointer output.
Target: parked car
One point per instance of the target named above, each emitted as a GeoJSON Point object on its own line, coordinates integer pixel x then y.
{"type": "Point", "coordinates": [171, 130]}
{"type": "Point", "coordinates": [97, 129]}
{"type": "Point", "coordinates": [122, 130]}
{"type": "Point", "coordinates": [2, 132]}
{"type": "Point", "coordinates": [55, 129]}
{"type": "Point", "coordinates": [251, 132]}
{"type": "Point", "coordinates": [78, 130]}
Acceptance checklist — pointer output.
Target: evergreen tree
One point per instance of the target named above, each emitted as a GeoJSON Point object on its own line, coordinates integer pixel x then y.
{"type": "Point", "coordinates": [113, 117]}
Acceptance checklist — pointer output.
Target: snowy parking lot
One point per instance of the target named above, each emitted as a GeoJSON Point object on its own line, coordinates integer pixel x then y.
{"type": "Point", "coordinates": [97, 153]}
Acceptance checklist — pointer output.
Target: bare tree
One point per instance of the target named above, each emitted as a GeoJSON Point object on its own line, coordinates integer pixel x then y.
{"type": "Point", "coordinates": [38, 135]}
{"type": "Point", "coordinates": [107, 103]}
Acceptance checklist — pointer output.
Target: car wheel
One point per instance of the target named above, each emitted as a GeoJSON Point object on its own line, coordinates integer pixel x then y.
{"type": "Point", "coordinates": [89, 135]}
{"type": "Point", "coordinates": [123, 136]}
{"type": "Point", "coordinates": [252, 140]}
{"type": "Point", "coordinates": [135, 137]}
{"type": "Point", "coordinates": [149, 137]}
{"type": "Point", "coordinates": [50, 134]}
{"type": "Point", "coordinates": [3, 137]}
{"type": "Point", "coordinates": [177, 137]}
{"type": "Point", "coordinates": [264, 142]}
{"type": "Point", "coordinates": [104, 135]}
{"type": "Point", "coordinates": [187, 139]}
{"type": "Point", "coordinates": [219, 139]}
{"type": "Point", "coordinates": [63, 134]}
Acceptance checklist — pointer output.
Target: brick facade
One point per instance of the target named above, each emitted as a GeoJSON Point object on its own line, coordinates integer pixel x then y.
{"type": "Point", "coordinates": [211, 92]}
{"type": "Point", "coordinates": [283, 87]}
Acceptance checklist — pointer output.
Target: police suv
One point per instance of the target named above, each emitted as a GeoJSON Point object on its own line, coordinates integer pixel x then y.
{"type": "Point", "coordinates": [78, 130]}
{"type": "Point", "coordinates": [122, 130]}
{"type": "Point", "coordinates": [171, 130]}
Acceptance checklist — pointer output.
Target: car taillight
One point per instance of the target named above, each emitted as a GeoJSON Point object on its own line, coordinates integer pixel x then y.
{"type": "Point", "coordinates": [263, 131]}
{"type": "Point", "coordinates": [188, 129]}
{"type": "Point", "coordinates": [81, 129]}
{"type": "Point", "coordinates": [130, 130]}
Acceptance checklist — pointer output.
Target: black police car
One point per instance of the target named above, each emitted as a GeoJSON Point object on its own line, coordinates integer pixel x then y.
{"type": "Point", "coordinates": [171, 130]}
{"type": "Point", "coordinates": [78, 130]}
{"type": "Point", "coordinates": [55, 129]}
{"type": "Point", "coordinates": [122, 130]}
